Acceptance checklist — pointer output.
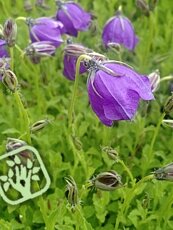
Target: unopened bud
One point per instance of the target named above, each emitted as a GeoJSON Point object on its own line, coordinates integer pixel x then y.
{"type": "Point", "coordinates": [107, 181]}
{"type": "Point", "coordinates": [112, 153]}
{"type": "Point", "coordinates": [71, 192]}
{"type": "Point", "coordinates": [115, 46]}
{"type": "Point", "coordinates": [39, 125]}
{"type": "Point", "coordinates": [76, 50]}
{"type": "Point", "coordinates": [154, 79]}
{"type": "Point", "coordinates": [168, 108]}
{"type": "Point", "coordinates": [36, 50]}
{"type": "Point", "coordinates": [13, 144]}
{"type": "Point", "coordinates": [27, 5]}
{"type": "Point", "coordinates": [9, 79]}
{"type": "Point", "coordinates": [143, 6]}
{"type": "Point", "coordinates": [77, 142]}
{"type": "Point", "coordinates": [165, 173]}
{"type": "Point", "coordinates": [10, 32]}
{"type": "Point", "coordinates": [167, 123]}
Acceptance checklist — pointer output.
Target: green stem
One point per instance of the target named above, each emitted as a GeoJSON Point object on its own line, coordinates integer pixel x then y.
{"type": "Point", "coordinates": [19, 49]}
{"type": "Point", "coordinates": [12, 58]}
{"type": "Point", "coordinates": [155, 135]}
{"type": "Point", "coordinates": [20, 19]}
{"type": "Point", "coordinates": [23, 117]}
{"type": "Point", "coordinates": [128, 172]}
{"type": "Point", "coordinates": [71, 108]}
{"type": "Point", "coordinates": [130, 195]}
{"type": "Point", "coordinates": [167, 78]}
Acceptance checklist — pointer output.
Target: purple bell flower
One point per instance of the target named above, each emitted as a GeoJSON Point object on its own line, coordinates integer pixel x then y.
{"type": "Point", "coordinates": [70, 67]}
{"type": "Point", "coordinates": [3, 50]}
{"type": "Point", "coordinates": [46, 29]}
{"type": "Point", "coordinates": [119, 30]}
{"type": "Point", "coordinates": [115, 91]}
{"type": "Point", "coordinates": [73, 17]}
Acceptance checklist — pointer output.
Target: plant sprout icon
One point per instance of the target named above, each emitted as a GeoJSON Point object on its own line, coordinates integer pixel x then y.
{"type": "Point", "coordinates": [21, 175]}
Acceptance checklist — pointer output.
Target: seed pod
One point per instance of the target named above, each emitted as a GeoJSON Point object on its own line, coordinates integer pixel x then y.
{"type": "Point", "coordinates": [9, 79]}
{"type": "Point", "coordinates": [112, 153]}
{"type": "Point", "coordinates": [107, 181]}
{"type": "Point", "coordinates": [10, 32]}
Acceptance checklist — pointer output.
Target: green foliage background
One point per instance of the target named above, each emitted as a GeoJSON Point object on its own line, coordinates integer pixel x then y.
{"type": "Point", "coordinates": [46, 93]}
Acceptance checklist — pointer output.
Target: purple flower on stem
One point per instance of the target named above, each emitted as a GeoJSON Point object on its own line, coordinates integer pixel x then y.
{"type": "Point", "coordinates": [3, 50]}
{"type": "Point", "coordinates": [115, 91]}
{"type": "Point", "coordinates": [46, 29]}
{"type": "Point", "coordinates": [73, 17]}
{"type": "Point", "coordinates": [119, 29]}
{"type": "Point", "coordinates": [70, 67]}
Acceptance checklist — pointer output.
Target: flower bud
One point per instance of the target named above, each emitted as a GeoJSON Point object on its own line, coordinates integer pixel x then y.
{"type": "Point", "coordinates": [27, 5]}
{"type": "Point", "coordinates": [107, 181]}
{"type": "Point", "coordinates": [168, 108]}
{"type": "Point", "coordinates": [167, 123]}
{"type": "Point", "coordinates": [71, 192]}
{"type": "Point", "coordinates": [165, 173]}
{"type": "Point", "coordinates": [154, 79]}
{"type": "Point", "coordinates": [143, 6]}
{"type": "Point", "coordinates": [13, 144]}
{"type": "Point", "coordinates": [36, 50]}
{"type": "Point", "coordinates": [39, 125]}
{"type": "Point", "coordinates": [10, 32]}
{"type": "Point", "coordinates": [9, 79]}
{"type": "Point", "coordinates": [112, 153]}
{"type": "Point", "coordinates": [76, 50]}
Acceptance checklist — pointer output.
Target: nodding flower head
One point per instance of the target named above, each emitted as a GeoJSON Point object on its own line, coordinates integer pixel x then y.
{"type": "Point", "coordinates": [119, 30]}
{"type": "Point", "coordinates": [73, 17]}
{"type": "Point", "coordinates": [115, 90]}
{"type": "Point", "coordinates": [71, 53]}
{"type": "Point", "coordinates": [46, 29]}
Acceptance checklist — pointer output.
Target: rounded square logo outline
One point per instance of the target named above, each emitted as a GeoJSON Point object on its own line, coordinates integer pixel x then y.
{"type": "Point", "coordinates": [44, 171]}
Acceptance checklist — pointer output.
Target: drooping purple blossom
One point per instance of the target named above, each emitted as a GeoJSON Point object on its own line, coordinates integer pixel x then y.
{"type": "Point", "coordinates": [119, 29]}
{"type": "Point", "coordinates": [3, 49]}
{"type": "Point", "coordinates": [115, 91]}
{"type": "Point", "coordinates": [73, 17]}
{"type": "Point", "coordinates": [46, 29]}
{"type": "Point", "coordinates": [70, 67]}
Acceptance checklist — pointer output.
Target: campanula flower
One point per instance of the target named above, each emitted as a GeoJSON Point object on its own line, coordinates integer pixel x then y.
{"type": "Point", "coordinates": [73, 17]}
{"type": "Point", "coordinates": [3, 50]}
{"type": "Point", "coordinates": [119, 29]}
{"type": "Point", "coordinates": [115, 90]}
{"type": "Point", "coordinates": [46, 29]}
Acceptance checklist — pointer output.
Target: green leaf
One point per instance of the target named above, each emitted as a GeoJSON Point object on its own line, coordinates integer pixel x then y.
{"type": "Point", "coordinates": [10, 173]}
{"type": "Point", "coordinates": [10, 163]}
{"type": "Point", "coordinates": [3, 178]}
{"type": "Point", "coordinates": [35, 170]}
{"type": "Point", "coordinates": [29, 164]}
{"type": "Point", "coordinates": [35, 177]}
{"type": "Point", "coordinates": [17, 160]}
{"type": "Point", "coordinates": [6, 186]}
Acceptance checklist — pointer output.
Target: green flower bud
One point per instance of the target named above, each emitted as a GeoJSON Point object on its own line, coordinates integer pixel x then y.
{"type": "Point", "coordinates": [10, 31]}
{"type": "Point", "coordinates": [168, 108]}
{"type": "Point", "coordinates": [71, 192]}
{"type": "Point", "coordinates": [39, 125]}
{"type": "Point", "coordinates": [143, 6]}
{"type": "Point", "coordinates": [9, 79]}
{"type": "Point", "coordinates": [112, 153]}
{"type": "Point", "coordinates": [164, 173]}
{"type": "Point", "coordinates": [107, 181]}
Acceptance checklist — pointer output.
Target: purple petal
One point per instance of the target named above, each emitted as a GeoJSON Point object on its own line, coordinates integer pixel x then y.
{"type": "Point", "coordinates": [3, 50]}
